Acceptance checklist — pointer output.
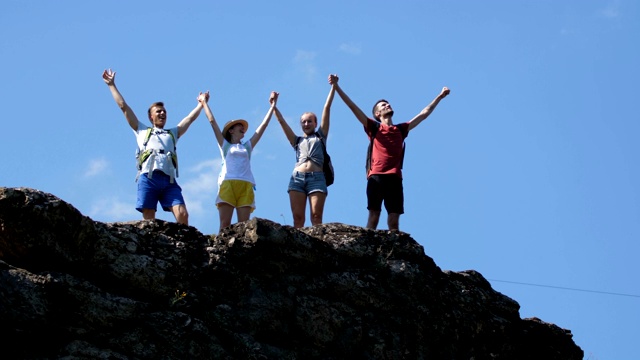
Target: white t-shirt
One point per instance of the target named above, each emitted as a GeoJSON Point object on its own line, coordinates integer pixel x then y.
{"type": "Point", "coordinates": [236, 162]}
{"type": "Point", "coordinates": [160, 141]}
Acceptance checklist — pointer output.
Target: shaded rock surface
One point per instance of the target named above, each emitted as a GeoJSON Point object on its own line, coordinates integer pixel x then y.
{"type": "Point", "coordinates": [81, 289]}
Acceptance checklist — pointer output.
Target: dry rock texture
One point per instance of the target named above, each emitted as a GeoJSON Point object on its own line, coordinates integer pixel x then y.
{"type": "Point", "coordinates": [73, 288]}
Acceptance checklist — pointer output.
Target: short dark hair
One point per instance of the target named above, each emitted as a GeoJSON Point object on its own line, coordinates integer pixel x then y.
{"type": "Point", "coordinates": [157, 103]}
{"type": "Point", "coordinates": [373, 111]}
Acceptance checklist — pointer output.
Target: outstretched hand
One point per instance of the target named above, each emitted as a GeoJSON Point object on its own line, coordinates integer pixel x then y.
{"type": "Point", "coordinates": [109, 76]}
{"type": "Point", "coordinates": [273, 98]}
{"type": "Point", "coordinates": [203, 97]}
{"type": "Point", "coordinates": [333, 79]}
{"type": "Point", "coordinates": [445, 91]}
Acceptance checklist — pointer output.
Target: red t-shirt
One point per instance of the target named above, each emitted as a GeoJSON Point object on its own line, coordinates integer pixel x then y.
{"type": "Point", "coordinates": [386, 157]}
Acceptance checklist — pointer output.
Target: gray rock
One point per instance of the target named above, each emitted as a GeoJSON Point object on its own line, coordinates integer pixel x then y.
{"type": "Point", "coordinates": [259, 290]}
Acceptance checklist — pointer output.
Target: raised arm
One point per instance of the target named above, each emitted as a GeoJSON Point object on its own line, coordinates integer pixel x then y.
{"type": "Point", "coordinates": [326, 111]}
{"type": "Point", "coordinates": [429, 109]}
{"type": "Point", "coordinates": [184, 124]}
{"type": "Point", "coordinates": [204, 100]}
{"type": "Point", "coordinates": [291, 136]}
{"type": "Point", "coordinates": [360, 115]}
{"type": "Point", "coordinates": [109, 77]}
{"type": "Point", "coordinates": [263, 125]}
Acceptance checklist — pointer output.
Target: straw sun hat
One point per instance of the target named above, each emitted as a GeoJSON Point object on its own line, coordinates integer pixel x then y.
{"type": "Point", "coordinates": [231, 123]}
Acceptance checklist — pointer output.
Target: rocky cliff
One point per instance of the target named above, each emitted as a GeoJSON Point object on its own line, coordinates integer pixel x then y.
{"type": "Point", "coordinates": [73, 288]}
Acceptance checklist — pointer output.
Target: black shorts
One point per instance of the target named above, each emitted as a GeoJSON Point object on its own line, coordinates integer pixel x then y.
{"type": "Point", "coordinates": [387, 188]}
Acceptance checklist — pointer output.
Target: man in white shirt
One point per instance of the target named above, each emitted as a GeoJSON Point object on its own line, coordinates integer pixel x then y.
{"type": "Point", "coordinates": [157, 161]}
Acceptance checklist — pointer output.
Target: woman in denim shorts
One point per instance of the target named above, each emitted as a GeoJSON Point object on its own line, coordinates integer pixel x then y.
{"type": "Point", "coordinates": [307, 180]}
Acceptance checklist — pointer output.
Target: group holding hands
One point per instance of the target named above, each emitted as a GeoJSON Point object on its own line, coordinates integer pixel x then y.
{"type": "Point", "coordinates": [157, 172]}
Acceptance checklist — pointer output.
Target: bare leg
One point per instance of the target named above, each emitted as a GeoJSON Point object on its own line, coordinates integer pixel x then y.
{"type": "Point", "coordinates": [243, 213]}
{"type": "Point", "coordinates": [148, 214]}
{"type": "Point", "coordinates": [181, 214]}
{"type": "Point", "coordinates": [374, 217]}
{"type": "Point", "coordinates": [316, 207]}
{"type": "Point", "coordinates": [298, 202]}
{"type": "Point", "coordinates": [226, 212]}
{"type": "Point", "coordinates": [393, 221]}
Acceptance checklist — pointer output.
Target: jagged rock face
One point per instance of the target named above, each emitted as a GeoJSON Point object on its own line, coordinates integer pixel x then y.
{"type": "Point", "coordinates": [156, 290]}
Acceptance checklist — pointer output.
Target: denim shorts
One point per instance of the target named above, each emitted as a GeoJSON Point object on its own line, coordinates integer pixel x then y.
{"type": "Point", "coordinates": [308, 182]}
{"type": "Point", "coordinates": [158, 188]}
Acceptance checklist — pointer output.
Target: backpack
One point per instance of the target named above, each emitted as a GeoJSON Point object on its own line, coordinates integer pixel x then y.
{"type": "Point", "coordinates": [143, 154]}
{"type": "Point", "coordinates": [327, 167]}
{"type": "Point", "coordinates": [374, 131]}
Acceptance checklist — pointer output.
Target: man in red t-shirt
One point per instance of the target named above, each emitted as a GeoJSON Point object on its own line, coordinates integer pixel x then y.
{"type": "Point", "coordinates": [384, 174]}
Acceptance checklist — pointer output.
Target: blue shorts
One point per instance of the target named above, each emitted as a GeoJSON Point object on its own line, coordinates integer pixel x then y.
{"type": "Point", "coordinates": [387, 188]}
{"type": "Point", "coordinates": [308, 182]}
{"type": "Point", "coordinates": [158, 188]}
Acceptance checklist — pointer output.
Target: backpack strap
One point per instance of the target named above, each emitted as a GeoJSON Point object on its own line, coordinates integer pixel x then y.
{"type": "Point", "coordinates": [374, 131]}
{"type": "Point", "coordinates": [296, 145]}
{"type": "Point", "coordinates": [322, 140]}
{"type": "Point", "coordinates": [147, 136]}
{"type": "Point", "coordinates": [148, 155]}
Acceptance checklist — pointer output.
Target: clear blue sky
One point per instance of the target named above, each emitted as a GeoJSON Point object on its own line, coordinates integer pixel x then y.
{"type": "Point", "coordinates": [527, 172]}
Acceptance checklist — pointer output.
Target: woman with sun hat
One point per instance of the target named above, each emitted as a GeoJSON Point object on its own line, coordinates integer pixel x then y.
{"type": "Point", "coordinates": [236, 182]}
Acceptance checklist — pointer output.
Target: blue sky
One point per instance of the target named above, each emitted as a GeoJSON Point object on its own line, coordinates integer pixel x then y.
{"type": "Point", "coordinates": [527, 172]}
